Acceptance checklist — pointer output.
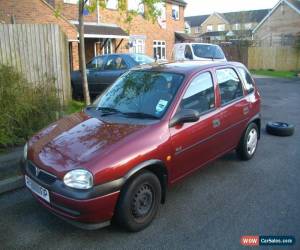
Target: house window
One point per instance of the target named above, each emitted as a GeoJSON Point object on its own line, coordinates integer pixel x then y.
{"type": "Point", "coordinates": [159, 49]}
{"type": "Point", "coordinates": [209, 28]}
{"type": "Point", "coordinates": [197, 29]}
{"type": "Point", "coordinates": [107, 48]}
{"type": "Point", "coordinates": [248, 26]}
{"type": "Point", "coordinates": [71, 1]}
{"type": "Point", "coordinates": [136, 5]}
{"type": "Point", "coordinates": [221, 27]}
{"type": "Point", "coordinates": [112, 4]}
{"type": "Point", "coordinates": [175, 12]}
{"type": "Point", "coordinates": [138, 46]}
{"type": "Point", "coordinates": [236, 26]}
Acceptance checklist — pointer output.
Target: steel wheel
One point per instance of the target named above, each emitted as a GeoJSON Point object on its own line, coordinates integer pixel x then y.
{"type": "Point", "coordinates": [142, 201]}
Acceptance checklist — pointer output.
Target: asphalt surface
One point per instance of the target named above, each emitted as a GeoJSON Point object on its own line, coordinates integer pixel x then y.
{"type": "Point", "coordinates": [211, 209]}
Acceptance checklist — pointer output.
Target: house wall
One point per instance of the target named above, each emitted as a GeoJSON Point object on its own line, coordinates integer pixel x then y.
{"type": "Point", "coordinates": [39, 12]}
{"type": "Point", "coordinates": [283, 21]}
{"type": "Point", "coordinates": [214, 20]}
{"type": "Point", "coordinates": [138, 26]}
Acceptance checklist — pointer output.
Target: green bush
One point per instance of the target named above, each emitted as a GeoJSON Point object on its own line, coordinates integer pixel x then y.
{"type": "Point", "coordinates": [24, 109]}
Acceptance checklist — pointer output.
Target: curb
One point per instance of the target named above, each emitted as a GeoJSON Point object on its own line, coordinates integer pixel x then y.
{"type": "Point", "coordinates": [11, 184]}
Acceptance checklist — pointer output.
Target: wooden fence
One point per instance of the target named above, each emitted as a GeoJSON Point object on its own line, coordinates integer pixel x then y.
{"type": "Point", "coordinates": [276, 58]}
{"type": "Point", "coordinates": [40, 52]}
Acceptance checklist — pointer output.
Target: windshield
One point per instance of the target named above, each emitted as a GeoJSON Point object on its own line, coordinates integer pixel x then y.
{"type": "Point", "coordinates": [208, 51]}
{"type": "Point", "coordinates": [142, 59]}
{"type": "Point", "coordinates": [140, 94]}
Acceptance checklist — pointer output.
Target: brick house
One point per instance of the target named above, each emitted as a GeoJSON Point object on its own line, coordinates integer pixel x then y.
{"type": "Point", "coordinates": [105, 30]}
{"type": "Point", "coordinates": [225, 26]}
{"type": "Point", "coordinates": [281, 26]}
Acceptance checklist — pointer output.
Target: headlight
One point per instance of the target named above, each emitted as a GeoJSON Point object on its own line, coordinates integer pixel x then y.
{"type": "Point", "coordinates": [25, 151]}
{"type": "Point", "coordinates": [79, 178]}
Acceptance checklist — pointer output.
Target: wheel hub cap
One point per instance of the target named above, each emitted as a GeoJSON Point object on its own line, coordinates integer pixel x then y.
{"type": "Point", "coordinates": [252, 141]}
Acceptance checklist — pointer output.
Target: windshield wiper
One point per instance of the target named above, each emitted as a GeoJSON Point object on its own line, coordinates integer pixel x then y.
{"type": "Point", "coordinates": [141, 115]}
{"type": "Point", "coordinates": [108, 110]}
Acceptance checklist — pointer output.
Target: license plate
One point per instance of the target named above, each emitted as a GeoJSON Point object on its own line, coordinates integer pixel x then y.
{"type": "Point", "coordinates": [37, 189]}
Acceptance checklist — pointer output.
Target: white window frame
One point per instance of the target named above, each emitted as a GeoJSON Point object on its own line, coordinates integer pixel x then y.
{"type": "Point", "coordinates": [248, 26]}
{"type": "Point", "coordinates": [221, 27]}
{"type": "Point", "coordinates": [197, 29]}
{"type": "Point", "coordinates": [162, 45]}
{"type": "Point", "coordinates": [236, 26]}
{"type": "Point", "coordinates": [210, 29]}
{"type": "Point", "coordinates": [136, 5]}
{"type": "Point", "coordinates": [112, 4]}
{"type": "Point", "coordinates": [138, 46]}
{"type": "Point", "coordinates": [107, 49]}
{"type": "Point", "coordinates": [71, 1]}
{"type": "Point", "coordinates": [176, 10]}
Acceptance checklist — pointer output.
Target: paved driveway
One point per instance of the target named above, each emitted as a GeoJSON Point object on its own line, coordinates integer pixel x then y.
{"type": "Point", "coordinates": [209, 210]}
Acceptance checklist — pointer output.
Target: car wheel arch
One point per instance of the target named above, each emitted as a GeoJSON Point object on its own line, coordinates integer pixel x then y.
{"type": "Point", "coordinates": [157, 167]}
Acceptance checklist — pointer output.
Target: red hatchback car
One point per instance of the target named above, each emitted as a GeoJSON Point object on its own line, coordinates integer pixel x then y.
{"type": "Point", "coordinates": [152, 127]}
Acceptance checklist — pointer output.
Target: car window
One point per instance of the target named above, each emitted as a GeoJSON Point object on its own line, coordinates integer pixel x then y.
{"type": "Point", "coordinates": [188, 52]}
{"type": "Point", "coordinates": [208, 51]}
{"type": "Point", "coordinates": [96, 63]}
{"type": "Point", "coordinates": [249, 85]}
{"type": "Point", "coordinates": [115, 63]}
{"type": "Point", "coordinates": [142, 59]}
{"type": "Point", "coordinates": [140, 91]}
{"type": "Point", "coordinates": [229, 84]}
{"type": "Point", "coordinates": [200, 94]}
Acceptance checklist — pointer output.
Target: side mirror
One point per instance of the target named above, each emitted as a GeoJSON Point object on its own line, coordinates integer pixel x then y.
{"type": "Point", "coordinates": [184, 116]}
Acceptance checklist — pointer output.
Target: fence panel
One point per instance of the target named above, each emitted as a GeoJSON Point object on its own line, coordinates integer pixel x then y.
{"type": "Point", "coordinates": [276, 58]}
{"type": "Point", "coordinates": [40, 52]}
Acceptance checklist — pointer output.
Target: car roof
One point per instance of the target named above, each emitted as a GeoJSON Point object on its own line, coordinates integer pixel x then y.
{"type": "Point", "coordinates": [178, 44]}
{"type": "Point", "coordinates": [186, 67]}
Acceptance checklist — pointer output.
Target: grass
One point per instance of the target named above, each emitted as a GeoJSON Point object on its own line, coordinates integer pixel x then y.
{"type": "Point", "coordinates": [74, 106]}
{"type": "Point", "coordinates": [273, 73]}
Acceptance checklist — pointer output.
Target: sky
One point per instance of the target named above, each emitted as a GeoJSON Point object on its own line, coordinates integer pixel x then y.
{"type": "Point", "coordinates": [200, 7]}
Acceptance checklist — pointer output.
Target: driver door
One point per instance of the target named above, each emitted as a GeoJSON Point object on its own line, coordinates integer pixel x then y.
{"type": "Point", "coordinates": [196, 143]}
{"type": "Point", "coordinates": [94, 71]}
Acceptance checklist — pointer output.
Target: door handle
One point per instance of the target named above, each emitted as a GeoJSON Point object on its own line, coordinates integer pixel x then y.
{"type": "Point", "coordinates": [216, 123]}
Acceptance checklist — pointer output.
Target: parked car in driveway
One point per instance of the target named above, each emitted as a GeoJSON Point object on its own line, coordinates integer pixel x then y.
{"type": "Point", "coordinates": [150, 129]}
{"type": "Point", "coordinates": [198, 52]}
{"type": "Point", "coordinates": [102, 71]}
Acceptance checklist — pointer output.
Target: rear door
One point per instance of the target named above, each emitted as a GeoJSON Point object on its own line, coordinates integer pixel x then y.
{"type": "Point", "coordinates": [94, 73]}
{"type": "Point", "coordinates": [234, 107]}
{"type": "Point", "coordinates": [196, 143]}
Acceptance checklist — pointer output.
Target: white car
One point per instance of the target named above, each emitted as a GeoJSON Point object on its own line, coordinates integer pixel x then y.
{"type": "Point", "coordinates": [198, 51]}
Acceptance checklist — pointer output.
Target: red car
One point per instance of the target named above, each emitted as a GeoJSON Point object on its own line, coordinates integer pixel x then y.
{"type": "Point", "coordinates": [152, 127]}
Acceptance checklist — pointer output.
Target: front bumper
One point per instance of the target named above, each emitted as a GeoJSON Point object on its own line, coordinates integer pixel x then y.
{"type": "Point", "coordinates": [89, 209]}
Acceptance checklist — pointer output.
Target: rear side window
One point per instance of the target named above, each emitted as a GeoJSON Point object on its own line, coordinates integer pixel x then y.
{"type": "Point", "coordinates": [229, 84]}
{"type": "Point", "coordinates": [249, 85]}
{"type": "Point", "coordinates": [200, 94]}
{"type": "Point", "coordinates": [96, 63]}
{"type": "Point", "coordinates": [188, 52]}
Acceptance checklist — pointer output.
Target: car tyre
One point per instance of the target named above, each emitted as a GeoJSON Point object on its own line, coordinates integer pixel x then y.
{"type": "Point", "coordinates": [138, 202]}
{"type": "Point", "coordinates": [248, 143]}
{"type": "Point", "coordinates": [280, 128]}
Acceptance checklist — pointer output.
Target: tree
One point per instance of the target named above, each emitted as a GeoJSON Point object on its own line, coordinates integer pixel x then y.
{"type": "Point", "coordinates": [150, 13]}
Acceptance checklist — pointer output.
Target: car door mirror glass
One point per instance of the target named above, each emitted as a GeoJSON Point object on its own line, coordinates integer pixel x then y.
{"type": "Point", "coordinates": [184, 116]}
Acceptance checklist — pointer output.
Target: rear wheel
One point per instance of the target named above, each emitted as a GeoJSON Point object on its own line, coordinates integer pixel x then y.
{"type": "Point", "coordinates": [139, 202]}
{"type": "Point", "coordinates": [248, 143]}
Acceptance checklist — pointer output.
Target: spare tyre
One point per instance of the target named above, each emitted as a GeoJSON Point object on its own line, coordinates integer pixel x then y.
{"type": "Point", "coordinates": [280, 128]}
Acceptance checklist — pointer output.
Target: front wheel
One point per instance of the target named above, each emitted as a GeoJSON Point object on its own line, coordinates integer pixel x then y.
{"type": "Point", "coordinates": [248, 143]}
{"type": "Point", "coordinates": [139, 202]}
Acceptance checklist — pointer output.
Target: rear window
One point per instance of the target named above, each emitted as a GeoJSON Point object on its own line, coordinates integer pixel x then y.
{"type": "Point", "coordinates": [142, 59]}
{"type": "Point", "coordinates": [208, 51]}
